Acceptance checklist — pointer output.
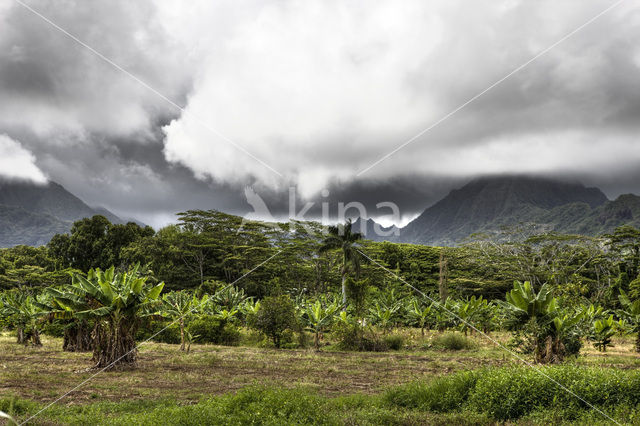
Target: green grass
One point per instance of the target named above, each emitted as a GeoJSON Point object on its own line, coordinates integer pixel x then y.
{"type": "Point", "coordinates": [248, 385]}
{"type": "Point", "coordinates": [483, 397]}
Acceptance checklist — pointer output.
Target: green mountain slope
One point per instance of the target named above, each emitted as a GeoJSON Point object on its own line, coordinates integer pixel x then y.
{"type": "Point", "coordinates": [19, 226]}
{"type": "Point", "coordinates": [31, 214]}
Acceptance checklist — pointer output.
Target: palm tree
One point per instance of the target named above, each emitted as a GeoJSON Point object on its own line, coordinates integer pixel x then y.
{"type": "Point", "coordinates": [342, 237]}
{"type": "Point", "coordinates": [116, 303]}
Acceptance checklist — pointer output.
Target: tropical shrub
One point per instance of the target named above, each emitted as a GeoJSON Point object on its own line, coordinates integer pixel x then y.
{"type": "Point", "coordinates": [23, 313]}
{"type": "Point", "coordinates": [630, 311]}
{"type": "Point", "coordinates": [602, 332]}
{"type": "Point", "coordinates": [116, 303]}
{"type": "Point", "coordinates": [452, 341]}
{"type": "Point", "coordinates": [395, 342]}
{"type": "Point", "coordinates": [276, 315]}
{"type": "Point", "coordinates": [419, 314]}
{"type": "Point", "coordinates": [160, 331]}
{"type": "Point", "coordinates": [211, 329]}
{"type": "Point", "coordinates": [178, 307]}
{"type": "Point", "coordinates": [318, 318]}
{"type": "Point", "coordinates": [538, 324]}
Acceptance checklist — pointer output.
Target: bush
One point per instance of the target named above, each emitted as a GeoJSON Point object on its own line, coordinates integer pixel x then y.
{"type": "Point", "coordinates": [511, 393]}
{"type": "Point", "coordinates": [275, 317]}
{"type": "Point", "coordinates": [353, 337]}
{"type": "Point", "coordinates": [394, 342]}
{"type": "Point", "coordinates": [514, 392]}
{"type": "Point", "coordinates": [170, 335]}
{"type": "Point", "coordinates": [53, 329]}
{"type": "Point", "coordinates": [440, 395]}
{"type": "Point", "coordinates": [452, 342]}
{"type": "Point", "coordinates": [209, 329]}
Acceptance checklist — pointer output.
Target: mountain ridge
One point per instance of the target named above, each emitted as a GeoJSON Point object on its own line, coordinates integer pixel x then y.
{"type": "Point", "coordinates": [32, 213]}
{"type": "Point", "coordinates": [491, 203]}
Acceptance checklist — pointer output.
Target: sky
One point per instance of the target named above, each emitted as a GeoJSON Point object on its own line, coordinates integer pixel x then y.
{"type": "Point", "coordinates": [153, 107]}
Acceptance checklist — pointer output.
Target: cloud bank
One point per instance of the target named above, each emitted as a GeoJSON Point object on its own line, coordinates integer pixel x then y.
{"type": "Point", "coordinates": [318, 90]}
{"type": "Point", "coordinates": [322, 89]}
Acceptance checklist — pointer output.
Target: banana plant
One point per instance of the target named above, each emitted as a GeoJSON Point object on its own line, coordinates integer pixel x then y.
{"type": "Point", "coordinates": [178, 306]}
{"type": "Point", "coordinates": [318, 318]}
{"type": "Point", "coordinates": [116, 302]}
{"type": "Point", "coordinates": [593, 312]}
{"type": "Point", "coordinates": [630, 312]}
{"type": "Point", "coordinates": [229, 297]}
{"type": "Point", "coordinates": [383, 316]}
{"type": "Point", "coordinates": [77, 331]}
{"type": "Point", "coordinates": [525, 303]}
{"type": "Point", "coordinates": [538, 316]}
{"type": "Point", "coordinates": [226, 315]}
{"type": "Point", "coordinates": [472, 313]}
{"type": "Point", "coordinates": [419, 314]}
{"type": "Point", "coordinates": [24, 313]}
{"type": "Point", "coordinates": [602, 332]}
{"type": "Point", "coordinates": [249, 308]}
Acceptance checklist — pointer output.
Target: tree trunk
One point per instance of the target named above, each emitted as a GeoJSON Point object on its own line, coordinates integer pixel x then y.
{"type": "Point", "coordinates": [182, 333]}
{"type": "Point", "coordinates": [442, 285]}
{"type": "Point", "coordinates": [35, 338]}
{"type": "Point", "coordinates": [316, 341]}
{"type": "Point", "coordinates": [20, 335]}
{"type": "Point", "coordinates": [115, 346]}
{"type": "Point", "coordinates": [638, 342]}
{"type": "Point", "coordinates": [77, 338]}
{"type": "Point", "coordinates": [344, 291]}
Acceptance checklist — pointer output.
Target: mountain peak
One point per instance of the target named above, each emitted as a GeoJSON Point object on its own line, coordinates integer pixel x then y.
{"type": "Point", "coordinates": [44, 210]}
{"type": "Point", "coordinates": [491, 202]}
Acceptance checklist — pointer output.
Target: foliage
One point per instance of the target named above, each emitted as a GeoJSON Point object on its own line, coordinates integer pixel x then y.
{"type": "Point", "coordinates": [511, 393]}
{"type": "Point", "coordinates": [319, 317]}
{"type": "Point", "coordinates": [275, 316]}
{"type": "Point", "coordinates": [630, 311]}
{"type": "Point", "coordinates": [603, 331]}
{"type": "Point", "coordinates": [452, 342]}
{"type": "Point", "coordinates": [212, 329]}
{"type": "Point", "coordinates": [550, 334]}
{"type": "Point", "coordinates": [440, 395]}
{"type": "Point", "coordinates": [116, 302]}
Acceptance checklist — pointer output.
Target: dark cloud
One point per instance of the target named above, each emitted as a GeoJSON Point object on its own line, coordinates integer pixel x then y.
{"type": "Point", "coordinates": [318, 91]}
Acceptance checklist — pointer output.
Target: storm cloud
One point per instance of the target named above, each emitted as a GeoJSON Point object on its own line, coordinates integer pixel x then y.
{"type": "Point", "coordinates": [309, 94]}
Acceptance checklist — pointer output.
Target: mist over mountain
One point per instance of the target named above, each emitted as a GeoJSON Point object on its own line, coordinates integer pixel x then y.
{"type": "Point", "coordinates": [32, 213]}
{"type": "Point", "coordinates": [489, 205]}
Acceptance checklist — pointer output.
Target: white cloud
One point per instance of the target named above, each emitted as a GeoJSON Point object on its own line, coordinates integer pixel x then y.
{"type": "Point", "coordinates": [321, 89]}
{"type": "Point", "coordinates": [18, 163]}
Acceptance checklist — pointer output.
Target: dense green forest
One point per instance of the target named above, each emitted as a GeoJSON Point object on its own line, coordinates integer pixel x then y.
{"type": "Point", "coordinates": [207, 247]}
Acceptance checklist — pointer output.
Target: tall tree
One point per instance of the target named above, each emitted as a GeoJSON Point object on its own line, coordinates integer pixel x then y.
{"type": "Point", "coordinates": [343, 238]}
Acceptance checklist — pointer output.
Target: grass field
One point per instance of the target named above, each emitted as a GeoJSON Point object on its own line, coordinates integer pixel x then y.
{"type": "Point", "coordinates": [249, 384]}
